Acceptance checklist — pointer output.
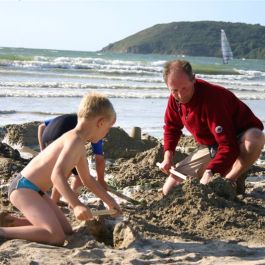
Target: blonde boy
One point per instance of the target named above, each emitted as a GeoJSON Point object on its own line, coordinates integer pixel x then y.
{"type": "Point", "coordinates": [44, 222]}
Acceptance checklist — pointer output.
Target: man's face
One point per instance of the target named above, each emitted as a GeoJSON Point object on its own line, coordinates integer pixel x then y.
{"type": "Point", "coordinates": [180, 86]}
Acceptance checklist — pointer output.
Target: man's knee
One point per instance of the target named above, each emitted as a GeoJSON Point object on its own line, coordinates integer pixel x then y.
{"type": "Point", "coordinates": [254, 139]}
{"type": "Point", "coordinates": [169, 185]}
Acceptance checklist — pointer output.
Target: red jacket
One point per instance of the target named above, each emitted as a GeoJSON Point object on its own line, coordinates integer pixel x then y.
{"type": "Point", "coordinates": [214, 115]}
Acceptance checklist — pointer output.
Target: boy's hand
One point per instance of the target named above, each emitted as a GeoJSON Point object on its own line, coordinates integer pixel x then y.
{"type": "Point", "coordinates": [115, 206]}
{"type": "Point", "coordinates": [81, 212]}
{"type": "Point", "coordinates": [103, 184]}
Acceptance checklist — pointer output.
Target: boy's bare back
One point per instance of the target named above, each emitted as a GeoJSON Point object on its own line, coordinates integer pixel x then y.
{"type": "Point", "coordinates": [62, 155]}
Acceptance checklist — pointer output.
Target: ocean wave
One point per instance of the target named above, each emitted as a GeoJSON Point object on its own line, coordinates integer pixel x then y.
{"type": "Point", "coordinates": [83, 75]}
{"type": "Point", "coordinates": [119, 93]}
{"type": "Point", "coordinates": [42, 62]}
{"type": "Point", "coordinates": [92, 63]}
{"type": "Point", "coordinates": [44, 113]}
{"type": "Point", "coordinates": [7, 112]}
{"type": "Point", "coordinates": [77, 85]}
{"type": "Point", "coordinates": [251, 73]}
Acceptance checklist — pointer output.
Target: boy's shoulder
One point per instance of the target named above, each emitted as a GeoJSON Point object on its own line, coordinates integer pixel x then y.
{"type": "Point", "coordinates": [71, 137]}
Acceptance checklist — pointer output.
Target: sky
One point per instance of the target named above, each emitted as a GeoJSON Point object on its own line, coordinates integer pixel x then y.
{"type": "Point", "coordinates": [90, 25]}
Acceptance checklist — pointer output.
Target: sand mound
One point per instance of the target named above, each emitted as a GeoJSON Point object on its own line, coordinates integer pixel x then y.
{"type": "Point", "coordinates": [201, 212]}
{"type": "Point", "coordinates": [22, 134]}
{"type": "Point", "coordinates": [10, 162]}
{"type": "Point", "coordinates": [142, 169]}
{"type": "Point", "coordinates": [118, 144]}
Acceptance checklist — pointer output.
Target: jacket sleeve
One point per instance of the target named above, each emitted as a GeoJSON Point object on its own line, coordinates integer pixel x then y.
{"type": "Point", "coordinates": [220, 122]}
{"type": "Point", "coordinates": [172, 125]}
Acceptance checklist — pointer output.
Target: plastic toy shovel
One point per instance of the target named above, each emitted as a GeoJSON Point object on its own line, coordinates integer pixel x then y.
{"type": "Point", "coordinates": [174, 172]}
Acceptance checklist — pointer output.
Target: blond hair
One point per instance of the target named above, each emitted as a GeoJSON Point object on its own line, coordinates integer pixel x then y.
{"type": "Point", "coordinates": [96, 104]}
{"type": "Point", "coordinates": [177, 65]}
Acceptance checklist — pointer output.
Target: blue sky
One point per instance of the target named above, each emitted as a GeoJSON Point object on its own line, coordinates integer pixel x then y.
{"type": "Point", "coordinates": [90, 25]}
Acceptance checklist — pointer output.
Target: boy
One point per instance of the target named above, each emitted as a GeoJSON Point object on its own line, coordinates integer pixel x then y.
{"type": "Point", "coordinates": [51, 129]}
{"type": "Point", "coordinates": [44, 222]}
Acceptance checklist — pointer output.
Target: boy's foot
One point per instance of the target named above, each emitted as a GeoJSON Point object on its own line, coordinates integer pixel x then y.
{"type": "Point", "coordinates": [5, 219]}
{"type": "Point", "coordinates": [241, 185]}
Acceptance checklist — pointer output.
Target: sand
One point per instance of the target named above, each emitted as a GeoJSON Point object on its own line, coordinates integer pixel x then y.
{"type": "Point", "coordinates": [195, 224]}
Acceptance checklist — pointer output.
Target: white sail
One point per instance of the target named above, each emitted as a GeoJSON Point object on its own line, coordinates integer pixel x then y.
{"type": "Point", "coordinates": [226, 49]}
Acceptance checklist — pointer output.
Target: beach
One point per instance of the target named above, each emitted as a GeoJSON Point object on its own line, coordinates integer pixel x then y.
{"type": "Point", "coordinates": [195, 224]}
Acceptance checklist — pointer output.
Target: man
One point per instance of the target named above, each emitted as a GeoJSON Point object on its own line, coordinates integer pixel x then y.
{"type": "Point", "coordinates": [229, 135]}
{"type": "Point", "coordinates": [52, 129]}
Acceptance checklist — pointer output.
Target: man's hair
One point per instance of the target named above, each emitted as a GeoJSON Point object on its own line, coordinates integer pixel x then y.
{"type": "Point", "coordinates": [95, 104]}
{"type": "Point", "coordinates": [177, 65]}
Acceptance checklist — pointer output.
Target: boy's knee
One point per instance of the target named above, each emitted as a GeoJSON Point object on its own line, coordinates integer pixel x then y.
{"type": "Point", "coordinates": [57, 239]}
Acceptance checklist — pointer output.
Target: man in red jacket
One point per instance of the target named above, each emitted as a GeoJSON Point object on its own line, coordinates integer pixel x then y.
{"type": "Point", "coordinates": [229, 135]}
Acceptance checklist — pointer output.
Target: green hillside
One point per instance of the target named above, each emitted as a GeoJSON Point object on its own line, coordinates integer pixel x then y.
{"type": "Point", "coordinates": [200, 38]}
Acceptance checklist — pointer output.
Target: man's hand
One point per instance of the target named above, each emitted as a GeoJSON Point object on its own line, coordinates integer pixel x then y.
{"type": "Point", "coordinates": [167, 162]}
{"type": "Point", "coordinates": [207, 177]}
{"type": "Point", "coordinates": [82, 213]}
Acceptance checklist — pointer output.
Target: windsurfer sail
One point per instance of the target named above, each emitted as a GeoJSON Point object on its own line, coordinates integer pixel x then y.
{"type": "Point", "coordinates": [226, 49]}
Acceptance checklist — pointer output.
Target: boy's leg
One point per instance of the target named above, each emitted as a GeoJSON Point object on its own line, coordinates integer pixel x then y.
{"type": "Point", "coordinates": [8, 220]}
{"type": "Point", "coordinates": [45, 227]}
{"type": "Point", "coordinates": [60, 215]}
{"type": "Point", "coordinates": [193, 165]}
{"type": "Point", "coordinates": [55, 196]}
{"type": "Point", "coordinates": [250, 147]}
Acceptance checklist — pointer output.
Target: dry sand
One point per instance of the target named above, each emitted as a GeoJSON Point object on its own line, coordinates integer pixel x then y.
{"type": "Point", "coordinates": [195, 224]}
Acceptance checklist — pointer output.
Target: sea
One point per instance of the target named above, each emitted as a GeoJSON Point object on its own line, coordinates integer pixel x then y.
{"type": "Point", "coordinates": [38, 84]}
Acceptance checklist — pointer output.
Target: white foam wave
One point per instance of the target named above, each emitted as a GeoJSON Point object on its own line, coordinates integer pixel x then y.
{"type": "Point", "coordinates": [77, 85]}
{"type": "Point", "coordinates": [82, 75]}
{"type": "Point", "coordinates": [117, 93]}
{"type": "Point", "coordinates": [42, 62]}
{"type": "Point", "coordinates": [250, 73]}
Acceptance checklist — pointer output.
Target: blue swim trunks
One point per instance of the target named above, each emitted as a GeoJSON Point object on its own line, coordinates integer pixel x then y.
{"type": "Point", "coordinates": [21, 182]}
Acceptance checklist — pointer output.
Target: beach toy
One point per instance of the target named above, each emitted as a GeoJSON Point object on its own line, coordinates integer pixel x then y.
{"type": "Point", "coordinates": [122, 196]}
{"type": "Point", "coordinates": [174, 172]}
{"type": "Point", "coordinates": [103, 212]}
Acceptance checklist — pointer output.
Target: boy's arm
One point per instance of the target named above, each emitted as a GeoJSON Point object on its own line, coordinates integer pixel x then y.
{"type": "Point", "coordinates": [100, 168]}
{"type": "Point", "coordinates": [93, 185]}
{"type": "Point", "coordinates": [41, 128]}
{"type": "Point", "coordinates": [66, 160]}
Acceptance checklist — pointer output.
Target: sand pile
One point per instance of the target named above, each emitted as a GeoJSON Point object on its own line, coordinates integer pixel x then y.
{"type": "Point", "coordinates": [22, 134]}
{"type": "Point", "coordinates": [200, 212]}
{"type": "Point", "coordinates": [10, 162]}
{"type": "Point", "coordinates": [118, 144]}
{"type": "Point", "coordinates": [141, 169]}
{"type": "Point", "coordinates": [195, 224]}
